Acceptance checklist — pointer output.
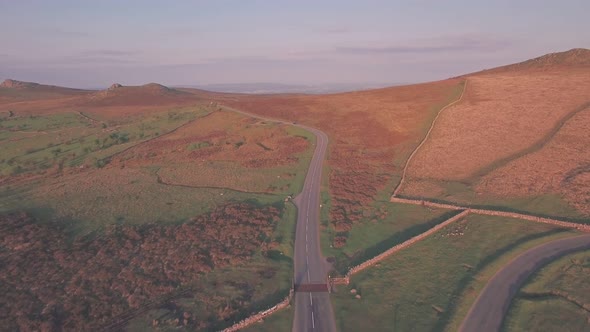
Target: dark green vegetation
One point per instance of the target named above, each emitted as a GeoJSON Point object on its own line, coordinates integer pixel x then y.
{"type": "Point", "coordinates": [555, 298]}
{"type": "Point", "coordinates": [432, 284]}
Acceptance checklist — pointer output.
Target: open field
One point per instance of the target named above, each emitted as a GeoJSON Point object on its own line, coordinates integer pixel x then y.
{"type": "Point", "coordinates": [94, 199]}
{"type": "Point", "coordinates": [120, 186]}
{"type": "Point", "coordinates": [390, 225]}
{"type": "Point", "coordinates": [556, 298]}
{"type": "Point", "coordinates": [431, 285]}
{"type": "Point", "coordinates": [365, 160]}
{"type": "Point", "coordinates": [510, 124]}
{"type": "Point", "coordinates": [45, 144]}
{"type": "Point", "coordinates": [229, 150]}
{"type": "Point", "coordinates": [95, 173]}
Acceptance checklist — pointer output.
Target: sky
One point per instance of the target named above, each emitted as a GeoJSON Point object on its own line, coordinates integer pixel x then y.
{"type": "Point", "coordinates": [92, 44]}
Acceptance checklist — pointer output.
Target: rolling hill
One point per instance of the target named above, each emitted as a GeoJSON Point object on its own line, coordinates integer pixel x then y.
{"type": "Point", "coordinates": [13, 91]}
{"type": "Point", "coordinates": [150, 169]}
{"type": "Point", "coordinates": [517, 139]}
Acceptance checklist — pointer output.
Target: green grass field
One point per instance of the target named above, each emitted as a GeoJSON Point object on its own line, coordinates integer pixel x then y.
{"type": "Point", "coordinates": [394, 224]}
{"type": "Point", "coordinates": [553, 298]}
{"type": "Point", "coordinates": [283, 180]}
{"type": "Point", "coordinates": [431, 285]}
{"type": "Point", "coordinates": [95, 199]}
{"type": "Point", "coordinates": [37, 143]}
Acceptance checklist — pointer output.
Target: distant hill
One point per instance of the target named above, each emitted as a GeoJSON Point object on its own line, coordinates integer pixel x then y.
{"type": "Point", "coordinates": [574, 58]}
{"type": "Point", "coordinates": [13, 91]}
{"type": "Point", "coordinates": [272, 88]}
{"type": "Point", "coordinates": [148, 94]}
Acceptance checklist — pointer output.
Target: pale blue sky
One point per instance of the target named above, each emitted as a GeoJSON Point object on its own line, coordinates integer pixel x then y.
{"type": "Point", "coordinates": [92, 44]}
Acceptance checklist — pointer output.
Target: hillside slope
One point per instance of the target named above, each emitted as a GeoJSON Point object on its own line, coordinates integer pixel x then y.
{"type": "Point", "coordinates": [576, 58]}
{"type": "Point", "coordinates": [518, 139]}
{"type": "Point", "coordinates": [13, 91]}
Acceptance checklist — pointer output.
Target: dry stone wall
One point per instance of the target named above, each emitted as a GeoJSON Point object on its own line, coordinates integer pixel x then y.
{"type": "Point", "coordinates": [255, 318]}
{"type": "Point", "coordinates": [427, 203]}
{"type": "Point", "coordinates": [405, 244]}
{"type": "Point", "coordinates": [559, 223]}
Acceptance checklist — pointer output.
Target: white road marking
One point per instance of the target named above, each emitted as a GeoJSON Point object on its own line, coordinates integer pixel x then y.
{"type": "Point", "coordinates": [312, 321]}
{"type": "Point", "coordinates": [310, 300]}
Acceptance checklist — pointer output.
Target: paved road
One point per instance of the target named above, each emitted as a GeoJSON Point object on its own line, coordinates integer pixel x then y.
{"type": "Point", "coordinates": [313, 311]}
{"type": "Point", "coordinates": [488, 311]}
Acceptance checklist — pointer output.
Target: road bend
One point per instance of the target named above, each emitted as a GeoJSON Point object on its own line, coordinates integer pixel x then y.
{"type": "Point", "coordinates": [313, 310]}
{"type": "Point", "coordinates": [488, 311]}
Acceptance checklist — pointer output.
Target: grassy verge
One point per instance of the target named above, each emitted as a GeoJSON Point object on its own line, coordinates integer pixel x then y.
{"type": "Point", "coordinates": [551, 300]}
{"type": "Point", "coordinates": [296, 184]}
{"type": "Point", "coordinates": [430, 285]}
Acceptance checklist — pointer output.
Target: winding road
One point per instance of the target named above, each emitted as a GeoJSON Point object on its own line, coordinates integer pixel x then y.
{"type": "Point", "coordinates": [313, 310]}
{"type": "Point", "coordinates": [488, 311]}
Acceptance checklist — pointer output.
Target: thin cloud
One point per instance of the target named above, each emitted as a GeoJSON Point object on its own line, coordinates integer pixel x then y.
{"type": "Point", "coordinates": [101, 56]}
{"type": "Point", "coordinates": [431, 46]}
{"type": "Point", "coordinates": [332, 30]}
{"type": "Point", "coordinates": [65, 33]}
{"type": "Point", "coordinates": [261, 60]}
{"type": "Point", "coordinates": [95, 60]}
{"type": "Point", "coordinates": [70, 60]}
{"type": "Point", "coordinates": [113, 53]}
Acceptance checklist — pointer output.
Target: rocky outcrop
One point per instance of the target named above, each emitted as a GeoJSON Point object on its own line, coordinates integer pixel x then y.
{"type": "Point", "coordinates": [114, 86]}
{"type": "Point", "coordinates": [14, 84]}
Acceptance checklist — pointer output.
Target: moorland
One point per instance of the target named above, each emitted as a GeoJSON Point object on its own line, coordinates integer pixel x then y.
{"type": "Point", "coordinates": [174, 209]}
